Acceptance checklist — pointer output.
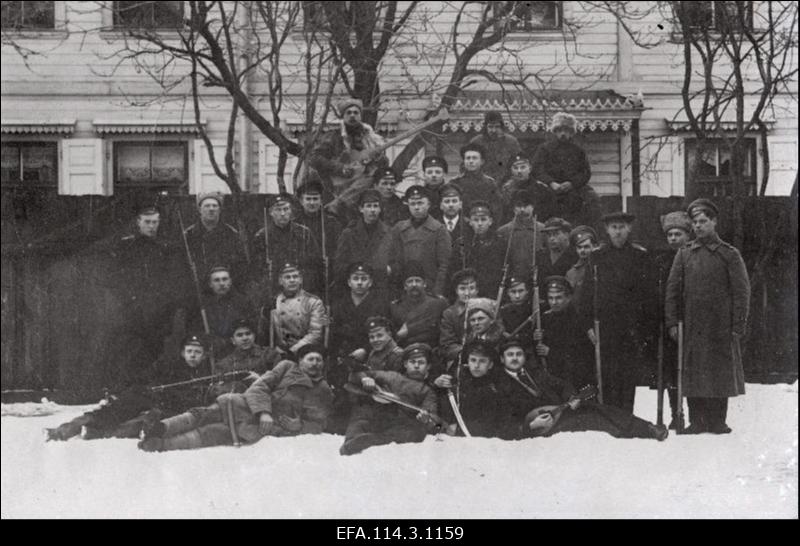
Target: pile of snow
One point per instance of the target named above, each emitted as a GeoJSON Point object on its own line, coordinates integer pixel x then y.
{"type": "Point", "coordinates": [30, 409]}
{"type": "Point", "coordinates": [749, 473]}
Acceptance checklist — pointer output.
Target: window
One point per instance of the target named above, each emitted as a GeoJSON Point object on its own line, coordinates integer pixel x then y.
{"type": "Point", "coordinates": [30, 164]}
{"type": "Point", "coordinates": [536, 16]}
{"type": "Point", "coordinates": [314, 16]}
{"type": "Point", "coordinates": [149, 15]}
{"type": "Point", "coordinates": [28, 15]}
{"type": "Point", "coordinates": [716, 15]}
{"type": "Point", "coordinates": [153, 165]}
{"type": "Point", "coordinates": [712, 177]}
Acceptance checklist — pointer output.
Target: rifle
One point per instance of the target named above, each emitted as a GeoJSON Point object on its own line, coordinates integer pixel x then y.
{"type": "Point", "coordinates": [679, 412]}
{"type": "Point", "coordinates": [193, 268]}
{"type": "Point", "coordinates": [327, 335]}
{"type": "Point", "coordinates": [268, 263]}
{"type": "Point", "coordinates": [597, 359]}
{"type": "Point", "coordinates": [660, 356]}
{"type": "Point", "coordinates": [502, 286]}
{"type": "Point", "coordinates": [385, 397]}
{"type": "Point", "coordinates": [220, 378]}
{"type": "Point", "coordinates": [535, 303]}
{"type": "Point", "coordinates": [455, 399]}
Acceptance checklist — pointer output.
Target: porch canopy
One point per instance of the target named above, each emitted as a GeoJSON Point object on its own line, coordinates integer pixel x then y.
{"type": "Point", "coordinates": [596, 111]}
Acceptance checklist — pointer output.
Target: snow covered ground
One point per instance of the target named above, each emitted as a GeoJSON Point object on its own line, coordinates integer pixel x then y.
{"type": "Point", "coordinates": [750, 473]}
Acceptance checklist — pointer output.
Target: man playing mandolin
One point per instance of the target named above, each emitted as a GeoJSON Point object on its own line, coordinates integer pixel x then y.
{"type": "Point", "coordinates": [345, 159]}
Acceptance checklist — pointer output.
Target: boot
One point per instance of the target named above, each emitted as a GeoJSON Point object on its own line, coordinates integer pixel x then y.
{"type": "Point", "coordinates": [152, 427]}
{"type": "Point", "coordinates": [151, 444]}
{"type": "Point", "coordinates": [359, 443]}
{"type": "Point", "coordinates": [694, 428]}
{"type": "Point", "coordinates": [90, 433]}
{"type": "Point", "coordinates": [720, 428]}
{"type": "Point", "coordinates": [673, 424]}
{"type": "Point", "coordinates": [659, 432]}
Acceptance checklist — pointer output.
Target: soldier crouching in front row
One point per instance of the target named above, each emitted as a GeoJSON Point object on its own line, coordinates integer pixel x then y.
{"type": "Point", "coordinates": [291, 399]}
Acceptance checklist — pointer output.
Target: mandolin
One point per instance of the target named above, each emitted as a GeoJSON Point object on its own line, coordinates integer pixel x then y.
{"type": "Point", "coordinates": [586, 393]}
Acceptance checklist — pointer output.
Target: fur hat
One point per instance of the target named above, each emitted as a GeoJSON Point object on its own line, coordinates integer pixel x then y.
{"type": "Point", "coordinates": [562, 119]}
{"type": "Point", "coordinates": [347, 103]}
{"type": "Point", "coordinates": [676, 220]}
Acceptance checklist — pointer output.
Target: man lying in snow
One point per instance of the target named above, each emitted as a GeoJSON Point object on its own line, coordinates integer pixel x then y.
{"type": "Point", "coordinates": [372, 423]}
{"type": "Point", "coordinates": [535, 403]}
{"type": "Point", "coordinates": [293, 398]}
{"type": "Point", "coordinates": [122, 416]}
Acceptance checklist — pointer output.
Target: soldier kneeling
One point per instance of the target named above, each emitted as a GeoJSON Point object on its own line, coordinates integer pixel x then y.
{"type": "Point", "coordinates": [293, 398]}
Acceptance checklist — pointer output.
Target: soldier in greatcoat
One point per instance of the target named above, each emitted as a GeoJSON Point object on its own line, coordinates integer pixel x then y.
{"type": "Point", "coordinates": [709, 289]}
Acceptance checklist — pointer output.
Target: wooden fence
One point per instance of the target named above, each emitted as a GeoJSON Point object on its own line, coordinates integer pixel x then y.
{"type": "Point", "coordinates": [61, 324]}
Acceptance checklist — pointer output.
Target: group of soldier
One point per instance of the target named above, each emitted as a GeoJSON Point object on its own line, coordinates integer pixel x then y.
{"type": "Point", "coordinates": [388, 319]}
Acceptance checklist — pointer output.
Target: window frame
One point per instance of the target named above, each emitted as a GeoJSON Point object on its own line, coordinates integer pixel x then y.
{"type": "Point", "coordinates": [21, 143]}
{"type": "Point", "coordinates": [114, 25]}
{"type": "Point", "coordinates": [558, 27]}
{"type": "Point", "coordinates": [118, 145]}
{"type": "Point", "coordinates": [714, 26]}
{"type": "Point", "coordinates": [58, 29]}
{"type": "Point", "coordinates": [695, 186]}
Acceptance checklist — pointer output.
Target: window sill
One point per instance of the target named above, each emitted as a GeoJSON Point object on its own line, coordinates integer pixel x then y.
{"type": "Point", "coordinates": [35, 34]}
{"type": "Point", "coordinates": [122, 34]}
{"type": "Point", "coordinates": [540, 36]}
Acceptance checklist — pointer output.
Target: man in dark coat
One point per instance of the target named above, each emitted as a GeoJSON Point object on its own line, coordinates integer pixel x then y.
{"type": "Point", "coordinates": [498, 146]}
{"type": "Point", "coordinates": [434, 169]}
{"type": "Point", "coordinates": [334, 154]}
{"type": "Point", "coordinates": [522, 230]}
{"type": "Point", "coordinates": [584, 240]}
{"type": "Point", "coordinates": [559, 256]}
{"type": "Point", "coordinates": [483, 250]}
{"type": "Point", "coordinates": [709, 289]}
{"type": "Point", "coordinates": [452, 214]}
{"type": "Point", "coordinates": [374, 424]}
{"type": "Point", "coordinates": [362, 241]}
{"type": "Point", "coordinates": [416, 315]}
{"type": "Point", "coordinates": [516, 315]}
{"type": "Point", "coordinates": [289, 242]}
{"type": "Point", "coordinates": [563, 341]}
{"type": "Point", "coordinates": [421, 239]}
{"type": "Point", "coordinates": [478, 397]}
{"type": "Point", "coordinates": [542, 196]}
{"type": "Point", "coordinates": [474, 183]}
{"type": "Point", "coordinates": [626, 306]}
{"type": "Point", "coordinates": [393, 210]}
{"type": "Point", "coordinates": [453, 323]}
{"type": "Point", "coordinates": [123, 414]}
{"type": "Point", "coordinates": [532, 403]}
{"type": "Point", "coordinates": [213, 242]}
{"type": "Point", "coordinates": [562, 165]}
{"type": "Point", "coordinates": [314, 218]}
{"type": "Point", "coordinates": [291, 399]}
{"type": "Point", "coordinates": [677, 227]}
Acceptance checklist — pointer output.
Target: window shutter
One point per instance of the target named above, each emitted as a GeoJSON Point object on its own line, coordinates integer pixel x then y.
{"type": "Point", "coordinates": [82, 172]}
{"type": "Point", "coordinates": [204, 179]}
{"type": "Point", "coordinates": [782, 164]}
{"type": "Point", "coordinates": [268, 154]}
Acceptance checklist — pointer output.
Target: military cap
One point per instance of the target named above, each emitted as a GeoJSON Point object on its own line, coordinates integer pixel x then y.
{"type": "Point", "coordinates": [481, 304]}
{"type": "Point", "coordinates": [416, 349]}
{"type": "Point", "coordinates": [676, 220]}
{"type": "Point", "coordinates": [311, 186]}
{"type": "Point", "coordinates": [310, 348]}
{"type": "Point", "coordinates": [373, 323]}
{"type": "Point", "coordinates": [288, 266]}
{"type": "Point", "coordinates": [482, 348]}
{"type": "Point", "coordinates": [520, 157]}
{"type": "Point", "coordinates": [360, 267]}
{"type": "Point", "coordinates": [242, 323]}
{"type": "Point", "coordinates": [413, 269]}
{"type": "Point", "coordinates": [344, 104]}
{"type": "Point", "coordinates": [281, 199]}
{"type": "Point", "coordinates": [703, 205]}
{"type": "Point", "coordinates": [434, 161]}
{"type": "Point", "coordinates": [557, 224]}
{"type": "Point", "coordinates": [193, 339]}
{"type": "Point", "coordinates": [473, 147]}
{"type": "Point", "coordinates": [147, 211]}
{"type": "Point", "coordinates": [492, 116]}
{"type": "Point", "coordinates": [385, 172]}
{"type": "Point", "coordinates": [557, 282]}
{"type": "Point", "coordinates": [618, 216]}
{"type": "Point", "coordinates": [449, 190]}
{"type": "Point", "coordinates": [521, 198]}
{"type": "Point", "coordinates": [215, 195]}
{"type": "Point", "coordinates": [369, 196]}
{"type": "Point", "coordinates": [478, 207]}
{"type": "Point", "coordinates": [416, 191]}
{"type": "Point", "coordinates": [517, 279]}
{"type": "Point", "coordinates": [218, 269]}
{"type": "Point", "coordinates": [511, 342]}
{"type": "Point", "coordinates": [580, 234]}
{"type": "Point", "coordinates": [464, 274]}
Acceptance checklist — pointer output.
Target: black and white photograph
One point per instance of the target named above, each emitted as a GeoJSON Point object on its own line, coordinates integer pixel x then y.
{"type": "Point", "coordinates": [399, 261]}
